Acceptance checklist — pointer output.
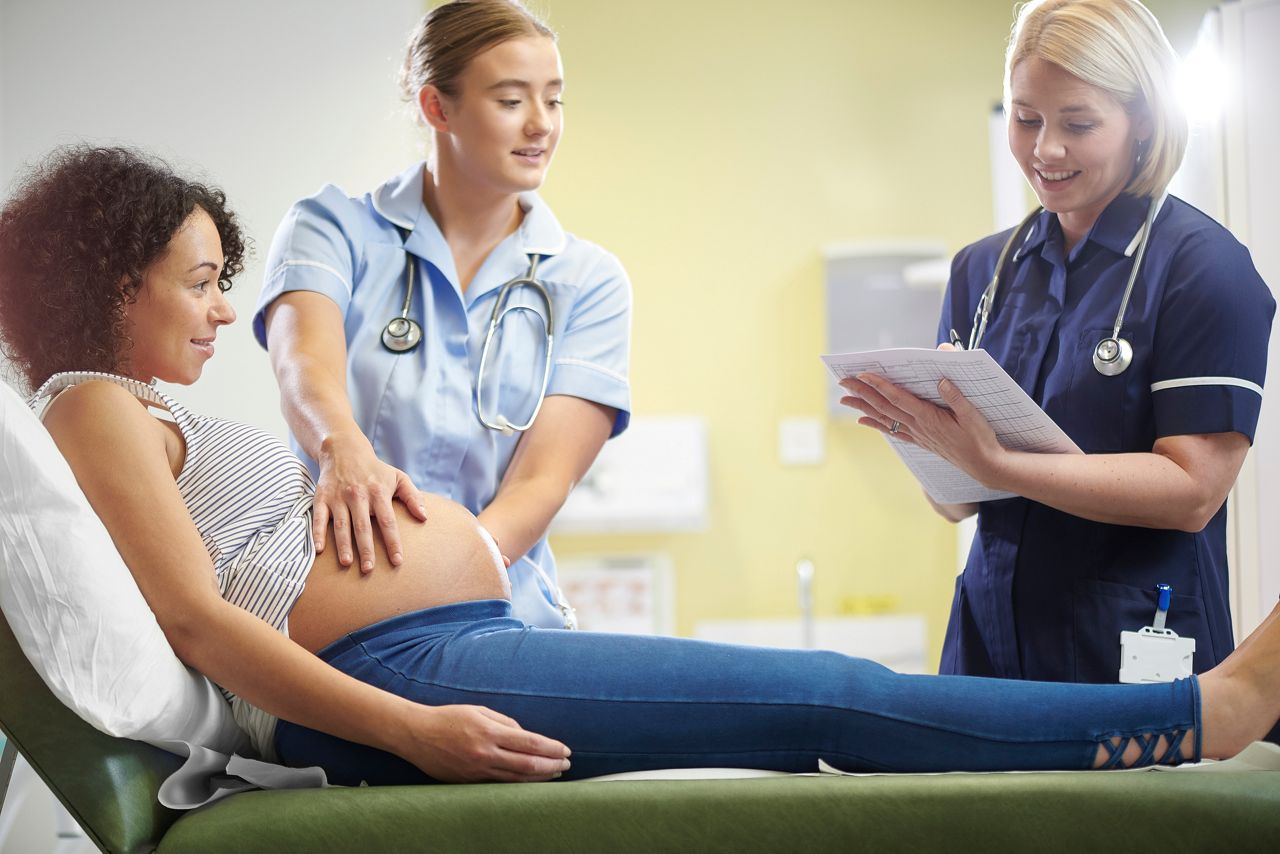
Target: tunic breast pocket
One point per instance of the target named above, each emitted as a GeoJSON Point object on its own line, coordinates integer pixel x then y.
{"type": "Point", "coordinates": [1092, 407]}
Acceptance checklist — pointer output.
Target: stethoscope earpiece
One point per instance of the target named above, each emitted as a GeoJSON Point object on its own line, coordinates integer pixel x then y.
{"type": "Point", "coordinates": [1112, 356]}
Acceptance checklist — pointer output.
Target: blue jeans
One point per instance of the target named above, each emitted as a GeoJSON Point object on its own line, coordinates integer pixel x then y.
{"type": "Point", "coordinates": [627, 703]}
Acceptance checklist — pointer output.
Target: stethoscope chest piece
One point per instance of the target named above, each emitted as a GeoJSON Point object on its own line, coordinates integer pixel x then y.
{"type": "Point", "coordinates": [1112, 356]}
{"type": "Point", "coordinates": [401, 335]}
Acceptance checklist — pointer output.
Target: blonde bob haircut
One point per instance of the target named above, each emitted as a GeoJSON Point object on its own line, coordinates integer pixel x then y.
{"type": "Point", "coordinates": [1117, 46]}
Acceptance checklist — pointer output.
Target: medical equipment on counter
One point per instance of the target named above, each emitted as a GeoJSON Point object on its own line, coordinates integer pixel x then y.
{"type": "Point", "coordinates": [1155, 653]}
{"type": "Point", "coordinates": [402, 334]}
{"type": "Point", "coordinates": [1113, 354]}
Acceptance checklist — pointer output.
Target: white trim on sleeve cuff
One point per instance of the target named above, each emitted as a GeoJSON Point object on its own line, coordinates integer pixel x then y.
{"type": "Point", "coordinates": [582, 363]}
{"type": "Point", "coordinates": [1184, 382]}
{"type": "Point", "coordinates": [316, 264]}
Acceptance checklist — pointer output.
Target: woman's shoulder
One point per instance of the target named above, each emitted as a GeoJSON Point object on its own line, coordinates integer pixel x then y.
{"type": "Point", "coordinates": [570, 259]}
{"type": "Point", "coordinates": [332, 203]}
{"type": "Point", "coordinates": [1209, 272]}
{"type": "Point", "coordinates": [396, 202]}
{"type": "Point", "coordinates": [101, 422]}
{"type": "Point", "coordinates": [582, 268]}
{"type": "Point", "coordinates": [987, 247]}
{"type": "Point", "coordinates": [1188, 227]}
{"type": "Point", "coordinates": [327, 227]}
{"type": "Point", "coordinates": [976, 262]}
{"type": "Point", "coordinates": [590, 255]}
{"type": "Point", "coordinates": [94, 407]}
{"type": "Point", "coordinates": [1202, 250]}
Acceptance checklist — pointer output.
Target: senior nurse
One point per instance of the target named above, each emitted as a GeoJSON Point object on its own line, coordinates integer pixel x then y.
{"type": "Point", "coordinates": [379, 407]}
{"type": "Point", "coordinates": [1056, 574]}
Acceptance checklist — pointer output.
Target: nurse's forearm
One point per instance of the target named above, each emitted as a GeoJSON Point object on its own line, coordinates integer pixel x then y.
{"type": "Point", "coordinates": [519, 516]}
{"type": "Point", "coordinates": [316, 407]}
{"type": "Point", "coordinates": [309, 356]}
{"type": "Point", "coordinates": [1180, 485]}
{"type": "Point", "coordinates": [549, 460]}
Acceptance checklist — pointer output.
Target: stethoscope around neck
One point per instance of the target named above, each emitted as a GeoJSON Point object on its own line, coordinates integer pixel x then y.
{"type": "Point", "coordinates": [402, 334]}
{"type": "Point", "coordinates": [1113, 354]}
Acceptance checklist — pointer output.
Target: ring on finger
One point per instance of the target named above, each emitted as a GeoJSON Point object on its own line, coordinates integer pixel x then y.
{"type": "Point", "coordinates": [895, 426]}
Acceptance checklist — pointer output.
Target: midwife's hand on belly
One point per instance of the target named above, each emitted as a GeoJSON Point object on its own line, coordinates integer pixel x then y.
{"type": "Point", "coordinates": [448, 559]}
{"type": "Point", "coordinates": [354, 488]}
{"type": "Point", "coordinates": [471, 744]}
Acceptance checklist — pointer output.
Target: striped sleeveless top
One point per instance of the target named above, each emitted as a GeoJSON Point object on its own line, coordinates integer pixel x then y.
{"type": "Point", "coordinates": [250, 498]}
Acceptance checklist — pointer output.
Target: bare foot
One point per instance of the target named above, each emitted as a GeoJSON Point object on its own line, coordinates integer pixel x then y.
{"type": "Point", "coordinates": [1240, 698]}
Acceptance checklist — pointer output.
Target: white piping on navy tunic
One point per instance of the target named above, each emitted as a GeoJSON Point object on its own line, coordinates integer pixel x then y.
{"type": "Point", "coordinates": [250, 498]}
{"type": "Point", "coordinates": [1185, 382]}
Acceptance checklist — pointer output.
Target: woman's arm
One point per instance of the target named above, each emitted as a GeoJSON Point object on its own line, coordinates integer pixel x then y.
{"type": "Point", "coordinates": [1179, 484]}
{"type": "Point", "coordinates": [118, 453]}
{"type": "Point", "coordinates": [550, 459]}
{"type": "Point", "coordinates": [952, 512]}
{"type": "Point", "coordinates": [309, 356]}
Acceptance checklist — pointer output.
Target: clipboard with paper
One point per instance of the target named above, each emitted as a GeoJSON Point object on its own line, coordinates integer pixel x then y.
{"type": "Point", "coordinates": [1019, 423]}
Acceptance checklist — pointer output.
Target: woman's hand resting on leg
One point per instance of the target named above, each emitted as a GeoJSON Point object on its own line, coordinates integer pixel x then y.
{"type": "Point", "coordinates": [470, 744]}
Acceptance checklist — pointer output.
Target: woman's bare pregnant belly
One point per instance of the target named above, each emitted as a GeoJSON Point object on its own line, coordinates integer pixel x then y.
{"type": "Point", "coordinates": [447, 559]}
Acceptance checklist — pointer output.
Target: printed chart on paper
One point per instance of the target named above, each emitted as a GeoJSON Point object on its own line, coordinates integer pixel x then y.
{"type": "Point", "coordinates": [1019, 423]}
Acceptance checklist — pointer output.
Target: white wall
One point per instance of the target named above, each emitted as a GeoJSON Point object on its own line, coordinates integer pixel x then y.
{"type": "Point", "coordinates": [266, 99]}
{"type": "Point", "coordinates": [1261, 65]}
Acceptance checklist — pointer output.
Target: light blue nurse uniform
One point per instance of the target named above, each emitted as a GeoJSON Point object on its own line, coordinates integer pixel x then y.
{"type": "Point", "coordinates": [417, 407]}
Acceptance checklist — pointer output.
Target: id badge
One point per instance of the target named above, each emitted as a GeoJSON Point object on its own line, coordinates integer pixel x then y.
{"type": "Point", "coordinates": [1154, 653]}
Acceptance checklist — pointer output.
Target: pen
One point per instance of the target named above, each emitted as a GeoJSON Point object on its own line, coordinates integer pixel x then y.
{"type": "Point", "coordinates": [955, 340]}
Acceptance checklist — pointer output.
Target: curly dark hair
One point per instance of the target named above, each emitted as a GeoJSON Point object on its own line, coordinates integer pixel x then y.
{"type": "Point", "coordinates": [75, 238]}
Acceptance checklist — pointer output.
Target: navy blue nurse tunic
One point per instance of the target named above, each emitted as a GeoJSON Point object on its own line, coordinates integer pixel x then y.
{"type": "Point", "coordinates": [1044, 594]}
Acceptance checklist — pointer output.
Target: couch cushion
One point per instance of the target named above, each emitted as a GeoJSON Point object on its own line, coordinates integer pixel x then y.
{"type": "Point", "coordinates": [108, 784]}
{"type": "Point", "coordinates": [1048, 812]}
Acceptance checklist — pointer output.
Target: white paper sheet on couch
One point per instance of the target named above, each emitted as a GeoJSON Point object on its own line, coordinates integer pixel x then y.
{"type": "Point", "coordinates": [1259, 756]}
{"type": "Point", "coordinates": [208, 776]}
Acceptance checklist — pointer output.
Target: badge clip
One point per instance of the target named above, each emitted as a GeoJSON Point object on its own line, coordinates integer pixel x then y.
{"type": "Point", "coordinates": [1155, 653]}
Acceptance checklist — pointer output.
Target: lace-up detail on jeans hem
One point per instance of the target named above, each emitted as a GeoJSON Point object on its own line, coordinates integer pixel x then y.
{"type": "Point", "coordinates": [1117, 745]}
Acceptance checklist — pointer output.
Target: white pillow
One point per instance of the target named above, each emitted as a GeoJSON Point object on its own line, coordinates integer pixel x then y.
{"type": "Point", "coordinates": [76, 611]}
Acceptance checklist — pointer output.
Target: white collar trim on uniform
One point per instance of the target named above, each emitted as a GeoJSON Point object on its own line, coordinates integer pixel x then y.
{"type": "Point", "coordinates": [399, 202]}
{"type": "Point", "coordinates": [1137, 235]}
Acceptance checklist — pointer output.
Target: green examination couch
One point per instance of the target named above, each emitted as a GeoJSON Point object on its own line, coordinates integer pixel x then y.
{"type": "Point", "coordinates": [109, 785]}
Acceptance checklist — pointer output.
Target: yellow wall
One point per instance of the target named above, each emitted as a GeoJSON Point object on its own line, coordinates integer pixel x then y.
{"type": "Point", "coordinates": [715, 146]}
